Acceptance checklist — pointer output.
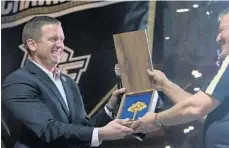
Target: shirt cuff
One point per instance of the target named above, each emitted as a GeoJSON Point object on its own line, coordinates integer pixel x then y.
{"type": "Point", "coordinates": [95, 142]}
{"type": "Point", "coordinates": [110, 114]}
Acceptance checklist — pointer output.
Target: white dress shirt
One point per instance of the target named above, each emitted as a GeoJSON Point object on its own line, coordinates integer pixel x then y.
{"type": "Point", "coordinates": [56, 80]}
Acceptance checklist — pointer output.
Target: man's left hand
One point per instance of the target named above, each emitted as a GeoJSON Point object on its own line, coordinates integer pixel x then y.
{"type": "Point", "coordinates": [114, 98]}
{"type": "Point", "coordinates": [145, 124]}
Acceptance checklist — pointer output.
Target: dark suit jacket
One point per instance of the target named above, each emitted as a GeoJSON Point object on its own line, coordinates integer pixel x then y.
{"type": "Point", "coordinates": [32, 98]}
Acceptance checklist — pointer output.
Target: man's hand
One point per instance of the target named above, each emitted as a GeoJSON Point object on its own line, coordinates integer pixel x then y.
{"type": "Point", "coordinates": [114, 98]}
{"type": "Point", "coordinates": [114, 130]}
{"type": "Point", "coordinates": [145, 124]}
{"type": "Point", "coordinates": [159, 78]}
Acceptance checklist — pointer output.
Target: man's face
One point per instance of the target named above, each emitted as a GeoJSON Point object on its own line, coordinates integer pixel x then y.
{"type": "Point", "coordinates": [50, 46]}
{"type": "Point", "coordinates": [223, 37]}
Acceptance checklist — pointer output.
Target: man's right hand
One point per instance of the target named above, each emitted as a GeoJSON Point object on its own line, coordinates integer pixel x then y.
{"type": "Point", "coordinates": [114, 130]}
{"type": "Point", "coordinates": [159, 78]}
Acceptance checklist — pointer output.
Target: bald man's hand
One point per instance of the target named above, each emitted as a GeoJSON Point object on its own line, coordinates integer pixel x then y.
{"type": "Point", "coordinates": [159, 78]}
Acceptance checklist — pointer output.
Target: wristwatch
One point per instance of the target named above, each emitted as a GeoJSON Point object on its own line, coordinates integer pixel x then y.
{"type": "Point", "coordinates": [157, 122]}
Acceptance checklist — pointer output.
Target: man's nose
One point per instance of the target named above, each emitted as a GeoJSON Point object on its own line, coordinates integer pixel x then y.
{"type": "Point", "coordinates": [60, 43]}
{"type": "Point", "coordinates": [218, 38]}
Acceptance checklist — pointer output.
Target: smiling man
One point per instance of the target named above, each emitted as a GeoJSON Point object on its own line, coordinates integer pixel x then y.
{"type": "Point", "coordinates": [48, 103]}
{"type": "Point", "coordinates": [212, 101]}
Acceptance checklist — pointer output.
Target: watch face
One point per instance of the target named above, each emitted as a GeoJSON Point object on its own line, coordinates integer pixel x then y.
{"type": "Point", "coordinates": [158, 123]}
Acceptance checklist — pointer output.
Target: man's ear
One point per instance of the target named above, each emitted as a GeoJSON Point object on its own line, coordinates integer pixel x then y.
{"type": "Point", "coordinates": [31, 45]}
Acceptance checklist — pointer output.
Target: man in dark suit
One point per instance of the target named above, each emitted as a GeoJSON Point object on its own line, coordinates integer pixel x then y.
{"type": "Point", "coordinates": [48, 103]}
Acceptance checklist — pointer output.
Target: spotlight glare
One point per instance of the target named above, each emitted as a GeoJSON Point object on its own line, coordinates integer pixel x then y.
{"type": "Point", "coordinates": [167, 38]}
{"type": "Point", "coordinates": [196, 74]}
{"type": "Point", "coordinates": [186, 131]}
{"type": "Point", "coordinates": [196, 89]}
{"type": "Point", "coordinates": [195, 5]}
{"type": "Point", "coordinates": [191, 128]}
{"type": "Point", "coordinates": [182, 10]}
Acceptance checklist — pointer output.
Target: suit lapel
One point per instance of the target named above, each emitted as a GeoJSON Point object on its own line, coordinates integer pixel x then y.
{"type": "Point", "coordinates": [48, 82]}
{"type": "Point", "coordinates": [69, 96]}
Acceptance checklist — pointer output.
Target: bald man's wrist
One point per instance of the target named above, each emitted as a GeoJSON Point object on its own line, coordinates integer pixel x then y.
{"type": "Point", "coordinates": [167, 85]}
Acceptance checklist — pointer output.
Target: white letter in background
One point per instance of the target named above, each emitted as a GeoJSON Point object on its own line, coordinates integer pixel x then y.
{"type": "Point", "coordinates": [6, 7]}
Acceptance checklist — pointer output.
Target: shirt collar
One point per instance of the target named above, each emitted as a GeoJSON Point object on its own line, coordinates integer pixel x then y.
{"type": "Point", "coordinates": [52, 74]}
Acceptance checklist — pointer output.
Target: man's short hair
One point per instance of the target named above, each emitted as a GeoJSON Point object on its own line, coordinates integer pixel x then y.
{"type": "Point", "coordinates": [32, 29]}
{"type": "Point", "coordinates": [223, 13]}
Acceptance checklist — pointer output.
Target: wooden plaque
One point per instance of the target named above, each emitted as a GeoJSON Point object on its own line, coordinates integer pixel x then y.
{"type": "Point", "coordinates": [134, 59]}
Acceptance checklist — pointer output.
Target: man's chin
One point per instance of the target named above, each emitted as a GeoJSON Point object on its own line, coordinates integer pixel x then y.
{"type": "Point", "coordinates": [222, 57]}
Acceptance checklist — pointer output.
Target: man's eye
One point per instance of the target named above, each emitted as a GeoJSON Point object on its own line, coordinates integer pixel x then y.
{"type": "Point", "coordinates": [53, 39]}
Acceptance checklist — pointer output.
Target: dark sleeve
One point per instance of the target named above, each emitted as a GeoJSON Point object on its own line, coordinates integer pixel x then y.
{"type": "Point", "coordinates": [23, 101]}
{"type": "Point", "coordinates": [218, 87]}
{"type": "Point", "coordinates": [100, 118]}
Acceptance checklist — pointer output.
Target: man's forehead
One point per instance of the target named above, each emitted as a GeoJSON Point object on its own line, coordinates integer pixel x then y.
{"type": "Point", "coordinates": [224, 22]}
{"type": "Point", "coordinates": [50, 26]}
{"type": "Point", "coordinates": [52, 29]}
